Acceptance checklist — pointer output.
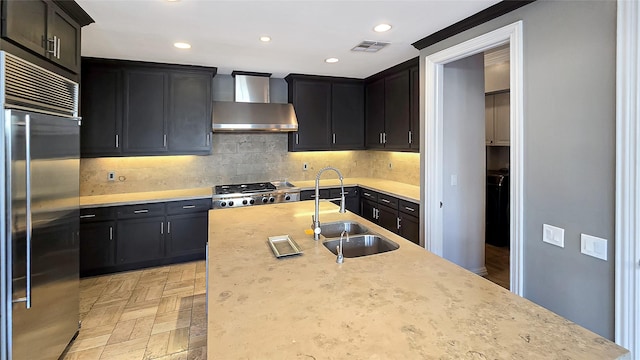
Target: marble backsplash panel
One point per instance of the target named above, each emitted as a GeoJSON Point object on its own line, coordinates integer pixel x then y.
{"type": "Point", "coordinates": [238, 158]}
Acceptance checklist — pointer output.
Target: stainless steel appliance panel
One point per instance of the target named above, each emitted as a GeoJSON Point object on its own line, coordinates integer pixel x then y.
{"type": "Point", "coordinates": [44, 176]}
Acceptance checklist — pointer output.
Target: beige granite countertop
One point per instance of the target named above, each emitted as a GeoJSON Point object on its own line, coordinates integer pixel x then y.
{"type": "Point", "coordinates": [393, 188]}
{"type": "Point", "coordinates": [144, 197]}
{"type": "Point", "coordinates": [404, 304]}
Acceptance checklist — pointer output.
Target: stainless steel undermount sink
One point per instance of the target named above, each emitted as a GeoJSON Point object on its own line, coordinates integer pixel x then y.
{"type": "Point", "coordinates": [334, 229]}
{"type": "Point", "coordinates": [361, 245]}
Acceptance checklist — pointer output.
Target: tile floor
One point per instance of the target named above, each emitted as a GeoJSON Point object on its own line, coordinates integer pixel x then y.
{"type": "Point", "coordinates": [155, 313]}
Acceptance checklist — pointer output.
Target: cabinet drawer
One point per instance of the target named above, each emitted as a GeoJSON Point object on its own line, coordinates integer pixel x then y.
{"type": "Point", "coordinates": [188, 206]}
{"type": "Point", "coordinates": [410, 208]}
{"type": "Point", "coordinates": [97, 214]}
{"type": "Point", "coordinates": [311, 194]}
{"type": "Point", "coordinates": [130, 211]}
{"type": "Point", "coordinates": [368, 194]}
{"type": "Point", "coordinates": [387, 200]}
{"type": "Point", "coordinates": [348, 192]}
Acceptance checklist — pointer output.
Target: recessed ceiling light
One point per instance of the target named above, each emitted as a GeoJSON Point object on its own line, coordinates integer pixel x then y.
{"type": "Point", "coordinates": [382, 28]}
{"type": "Point", "coordinates": [182, 45]}
{"type": "Point", "coordinates": [265, 38]}
{"type": "Point", "coordinates": [331, 60]}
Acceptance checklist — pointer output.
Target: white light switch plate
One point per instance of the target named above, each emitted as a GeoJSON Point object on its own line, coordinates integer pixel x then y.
{"type": "Point", "coordinates": [553, 235]}
{"type": "Point", "coordinates": [593, 246]}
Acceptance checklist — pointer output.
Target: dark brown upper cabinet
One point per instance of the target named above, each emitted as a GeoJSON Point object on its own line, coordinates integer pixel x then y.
{"type": "Point", "coordinates": [45, 29]}
{"type": "Point", "coordinates": [392, 108]}
{"type": "Point", "coordinates": [330, 113]}
{"type": "Point", "coordinates": [135, 108]}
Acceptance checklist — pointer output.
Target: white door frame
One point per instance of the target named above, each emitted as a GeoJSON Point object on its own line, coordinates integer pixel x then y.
{"type": "Point", "coordinates": [627, 313]}
{"type": "Point", "coordinates": [432, 158]}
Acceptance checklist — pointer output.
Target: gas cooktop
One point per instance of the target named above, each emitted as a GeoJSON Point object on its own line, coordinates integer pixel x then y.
{"type": "Point", "coordinates": [238, 195]}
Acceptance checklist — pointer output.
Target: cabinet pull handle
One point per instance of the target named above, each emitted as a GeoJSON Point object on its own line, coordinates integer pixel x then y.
{"type": "Point", "coordinates": [168, 227]}
{"type": "Point", "coordinates": [410, 137]}
{"type": "Point", "coordinates": [164, 140]}
{"type": "Point", "coordinates": [410, 209]}
{"type": "Point", "coordinates": [384, 138]}
{"type": "Point", "coordinates": [366, 194]}
{"type": "Point", "coordinates": [117, 141]}
{"type": "Point", "coordinates": [297, 139]}
{"type": "Point", "coordinates": [87, 216]}
{"type": "Point", "coordinates": [52, 42]}
{"type": "Point", "coordinates": [380, 138]}
{"type": "Point", "coordinates": [110, 232]}
{"type": "Point", "coordinates": [58, 48]}
{"type": "Point", "coordinates": [398, 223]}
{"type": "Point", "coordinates": [385, 201]}
{"type": "Point", "coordinates": [334, 138]}
{"type": "Point", "coordinates": [188, 206]}
{"type": "Point", "coordinates": [144, 211]}
{"type": "Point", "coordinates": [162, 228]}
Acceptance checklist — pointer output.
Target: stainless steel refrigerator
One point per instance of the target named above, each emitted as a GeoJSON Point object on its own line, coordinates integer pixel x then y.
{"type": "Point", "coordinates": [39, 142]}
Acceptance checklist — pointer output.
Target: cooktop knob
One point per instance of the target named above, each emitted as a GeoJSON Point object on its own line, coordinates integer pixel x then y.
{"type": "Point", "coordinates": [288, 197]}
{"type": "Point", "coordinates": [271, 199]}
{"type": "Point", "coordinates": [222, 203]}
{"type": "Point", "coordinates": [230, 203]}
{"type": "Point", "coordinates": [265, 200]}
{"type": "Point", "coordinates": [252, 201]}
{"type": "Point", "coordinates": [244, 202]}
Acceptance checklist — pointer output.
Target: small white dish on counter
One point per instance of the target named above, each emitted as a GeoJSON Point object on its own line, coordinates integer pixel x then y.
{"type": "Point", "coordinates": [283, 245]}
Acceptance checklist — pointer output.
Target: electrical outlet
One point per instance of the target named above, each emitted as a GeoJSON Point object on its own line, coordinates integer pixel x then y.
{"type": "Point", "coordinates": [111, 176]}
{"type": "Point", "coordinates": [553, 235]}
{"type": "Point", "coordinates": [305, 167]}
{"type": "Point", "coordinates": [390, 166]}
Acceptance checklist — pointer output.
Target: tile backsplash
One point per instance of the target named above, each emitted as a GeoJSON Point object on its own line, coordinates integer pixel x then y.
{"type": "Point", "coordinates": [238, 158]}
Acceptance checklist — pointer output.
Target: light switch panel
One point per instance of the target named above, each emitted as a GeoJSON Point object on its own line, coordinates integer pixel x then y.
{"type": "Point", "coordinates": [593, 246]}
{"type": "Point", "coordinates": [553, 235]}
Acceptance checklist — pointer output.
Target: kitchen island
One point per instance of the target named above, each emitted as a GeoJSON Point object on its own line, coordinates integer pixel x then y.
{"type": "Point", "coordinates": [403, 304]}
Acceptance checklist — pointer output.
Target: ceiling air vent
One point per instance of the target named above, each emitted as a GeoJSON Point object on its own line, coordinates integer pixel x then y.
{"type": "Point", "coordinates": [370, 46]}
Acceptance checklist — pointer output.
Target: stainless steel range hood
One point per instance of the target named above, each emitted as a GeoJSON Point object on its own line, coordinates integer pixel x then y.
{"type": "Point", "coordinates": [251, 111]}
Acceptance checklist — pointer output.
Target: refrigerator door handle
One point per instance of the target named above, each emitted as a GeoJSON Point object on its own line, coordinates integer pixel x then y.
{"type": "Point", "coordinates": [28, 220]}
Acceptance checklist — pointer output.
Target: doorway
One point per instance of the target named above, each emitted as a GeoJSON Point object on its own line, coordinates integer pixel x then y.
{"type": "Point", "coordinates": [432, 161]}
{"type": "Point", "coordinates": [497, 141]}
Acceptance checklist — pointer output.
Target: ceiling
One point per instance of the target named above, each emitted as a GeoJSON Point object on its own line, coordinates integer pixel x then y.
{"type": "Point", "coordinates": [225, 34]}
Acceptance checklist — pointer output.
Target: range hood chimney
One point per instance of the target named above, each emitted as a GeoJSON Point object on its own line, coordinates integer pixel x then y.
{"type": "Point", "coordinates": [251, 111]}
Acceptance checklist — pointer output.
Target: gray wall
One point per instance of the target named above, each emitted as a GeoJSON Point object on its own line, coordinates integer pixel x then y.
{"type": "Point", "coordinates": [464, 158]}
{"type": "Point", "coordinates": [569, 152]}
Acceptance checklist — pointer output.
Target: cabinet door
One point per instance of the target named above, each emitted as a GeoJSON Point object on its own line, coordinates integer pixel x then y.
{"type": "Point", "coordinates": [140, 239]}
{"type": "Point", "coordinates": [66, 32]}
{"type": "Point", "coordinates": [144, 123]}
{"type": "Point", "coordinates": [96, 245]}
{"type": "Point", "coordinates": [101, 106]}
{"type": "Point", "coordinates": [409, 228]}
{"type": "Point", "coordinates": [397, 110]}
{"type": "Point", "coordinates": [347, 115]}
{"type": "Point", "coordinates": [369, 210]}
{"type": "Point", "coordinates": [502, 119]}
{"type": "Point", "coordinates": [415, 109]}
{"type": "Point", "coordinates": [388, 218]}
{"type": "Point", "coordinates": [374, 114]}
{"type": "Point", "coordinates": [25, 22]}
{"type": "Point", "coordinates": [489, 119]}
{"type": "Point", "coordinates": [187, 234]}
{"type": "Point", "coordinates": [190, 112]}
{"type": "Point", "coordinates": [312, 103]}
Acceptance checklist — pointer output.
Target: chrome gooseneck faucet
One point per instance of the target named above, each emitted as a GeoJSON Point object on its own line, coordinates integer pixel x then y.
{"type": "Point", "coordinates": [316, 218]}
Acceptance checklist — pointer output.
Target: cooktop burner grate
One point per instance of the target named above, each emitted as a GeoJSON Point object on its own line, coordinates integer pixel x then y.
{"type": "Point", "coordinates": [244, 188]}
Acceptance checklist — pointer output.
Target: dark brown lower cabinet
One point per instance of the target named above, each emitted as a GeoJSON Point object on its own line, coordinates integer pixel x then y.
{"type": "Point", "coordinates": [187, 234]}
{"type": "Point", "coordinates": [399, 216]}
{"type": "Point", "coordinates": [136, 236]}
{"type": "Point", "coordinates": [409, 227]}
{"type": "Point", "coordinates": [140, 239]}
